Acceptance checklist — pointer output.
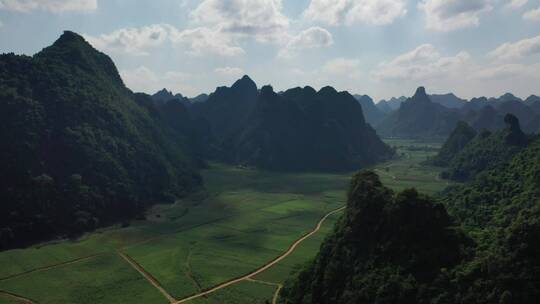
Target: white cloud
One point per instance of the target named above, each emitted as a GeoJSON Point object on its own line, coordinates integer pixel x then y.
{"type": "Point", "coordinates": [373, 12]}
{"type": "Point", "coordinates": [134, 41]}
{"type": "Point", "coordinates": [504, 71]}
{"type": "Point", "coordinates": [532, 15]}
{"type": "Point", "coordinates": [424, 62]}
{"type": "Point", "coordinates": [517, 50]}
{"type": "Point", "coordinates": [53, 6]}
{"type": "Point", "coordinates": [230, 72]}
{"type": "Point", "coordinates": [206, 41]}
{"type": "Point", "coordinates": [449, 15]}
{"type": "Point", "coordinates": [517, 3]}
{"type": "Point", "coordinates": [139, 41]}
{"type": "Point", "coordinates": [313, 37]}
{"type": "Point", "coordinates": [261, 19]}
{"type": "Point", "coordinates": [143, 79]}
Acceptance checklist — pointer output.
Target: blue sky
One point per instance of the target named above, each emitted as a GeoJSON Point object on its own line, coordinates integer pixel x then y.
{"type": "Point", "coordinates": [382, 48]}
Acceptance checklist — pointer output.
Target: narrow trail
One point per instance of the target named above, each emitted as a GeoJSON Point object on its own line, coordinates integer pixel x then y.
{"type": "Point", "coordinates": [277, 285]}
{"type": "Point", "coordinates": [158, 286]}
{"type": "Point", "coordinates": [147, 276]}
{"type": "Point", "coordinates": [189, 272]}
{"type": "Point", "coordinates": [17, 298]}
{"type": "Point", "coordinates": [263, 268]}
{"type": "Point", "coordinates": [70, 262]}
{"type": "Point", "coordinates": [276, 294]}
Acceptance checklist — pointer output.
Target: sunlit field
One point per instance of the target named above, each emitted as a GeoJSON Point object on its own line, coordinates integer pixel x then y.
{"type": "Point", "coordinates": [243, 220]}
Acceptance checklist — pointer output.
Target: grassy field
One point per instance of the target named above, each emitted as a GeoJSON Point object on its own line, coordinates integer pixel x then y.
{"type": "Point", "coordinates": [407, 171]}
{"type": "Point", "coordinates": [245, 219]}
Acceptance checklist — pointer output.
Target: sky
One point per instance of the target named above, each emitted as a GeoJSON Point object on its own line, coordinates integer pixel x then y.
{"type": "Point", "coordinates": [381, 48]}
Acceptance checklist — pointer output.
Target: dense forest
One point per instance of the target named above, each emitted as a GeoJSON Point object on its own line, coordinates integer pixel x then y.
{"type": "Point", "coordinates": [458, 139]}
{"type": "Point", "coordinates": [484, 151]}
{"type": "Point", "coordinates": [406, 248]}
{"type": "Point", "coordinates": [84, 151]}
{"type": "Point", "coordinates": [81, 150]}
{"type": "Point", "coordinates": [299, 129]}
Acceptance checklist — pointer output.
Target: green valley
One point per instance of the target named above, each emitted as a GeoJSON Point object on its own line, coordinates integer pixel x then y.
{"type": "Point", "coordinates": [244, 219]}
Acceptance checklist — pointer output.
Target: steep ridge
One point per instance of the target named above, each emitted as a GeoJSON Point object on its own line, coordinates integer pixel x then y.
{"type": "Point", "coordinates": [372, 113]}
{"type": "Point", "coordinates": [458, 139]}
{"type": "Point", "coordinates": [302, 129]}
{"type": "Point", "coordinates": [486, 151]}
{"type": "Point", "coordinates": [83, 152]}
{"type": "Point", "coordinates": [406, 249]}
{"type": "Point", "coordinates": [387, 248]}
{"type": "Point", "coordinates": [419, 117]}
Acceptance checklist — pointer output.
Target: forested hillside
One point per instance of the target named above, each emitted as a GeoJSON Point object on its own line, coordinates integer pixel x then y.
{"type": "Point", "coordinates": [405, 248]}
{"type": "Point", "coordinates": [387, 248]}
{"type": "Point", "coordinates": [299, 129]}
{"type": "Point", "coordinates": [81, 150]}
{"type": "Point", "coordinates": [485, 151]}
{"type": "Point", "coordinates": [458, 139]}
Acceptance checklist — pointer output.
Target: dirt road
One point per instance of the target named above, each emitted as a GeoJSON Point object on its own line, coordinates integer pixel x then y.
{"type": "Point", "coordinates": [147, 276]}
{"type": "Point", "coordinates": [263, 268]}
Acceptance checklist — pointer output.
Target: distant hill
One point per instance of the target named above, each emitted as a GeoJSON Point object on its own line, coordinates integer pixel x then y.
{"type": "Point", "coordinates": [458, 139]}
{"type": "Point", "coordinates": [390, 105]}
{"type": "Point", "coordinates": [437, 117]}
{"type": "Point", "coordinates": [482, 114]}
{"type": "Point", "coordinates": [302, 129]}
{"type": "Point", "coordinates": [419, 117]}
{"type": "Point", "coordinates": [484, 118]}
{"type": "Point", "coordinates": [84, 152]}
{"type": "Point", "coordinates": [532, 100]}
{"type": "Point", "coordinates": [449, 100]}
{"type": "Point", "coordinates": [475, 104]}
{"type": "Point", "coordinates": [199, 98]}
{"type": "Point", "coordinates": [504, 98]}
{"type": "Point", "coordinates": [487, 151]}
{"type": "Point", "coordinates": [165, 95]}
{"type": "Point", "coordinates": [226, 110]}
{"type": "Point", "coordinates": [372, 113]}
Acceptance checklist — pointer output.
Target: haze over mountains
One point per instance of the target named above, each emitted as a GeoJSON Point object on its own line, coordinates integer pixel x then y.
{"type": "Point", "coordinates": [82, 151]}
{"type": "Point", "coordinates": [79, 135]}
{"type": "Point", "coordinates": [432, 115]}
{"type": "Point", "coordinates": [426, 115]}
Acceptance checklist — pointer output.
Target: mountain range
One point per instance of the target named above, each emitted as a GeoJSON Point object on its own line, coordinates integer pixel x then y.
{"type": "Point", "coordinates": [84, 151]}
{"type": "Point", "coordinates": [476, 242]}
{"type": "Point", "coordinates": [299, 129]}
{"type": "Point", "coordinates": [424, 116]}
{"type": "Point", "coordinates": [480, 113]}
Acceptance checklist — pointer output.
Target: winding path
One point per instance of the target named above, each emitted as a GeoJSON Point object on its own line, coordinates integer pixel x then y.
{"type": "Point", "coordinates": [160, 288]}
{"type": "Point", "coordinates": [44, 268]}
{"type": "Point", "coordinates": [263, 268]}
{"type": "Point", "coordinates": [277, 285]}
